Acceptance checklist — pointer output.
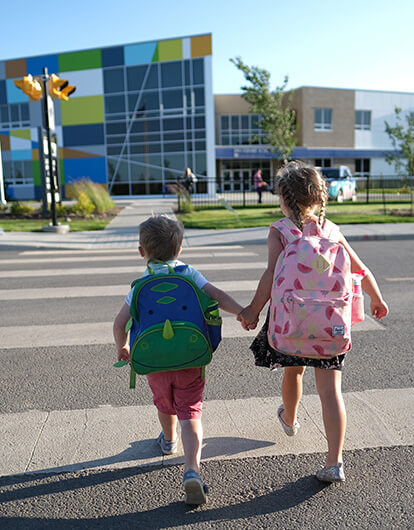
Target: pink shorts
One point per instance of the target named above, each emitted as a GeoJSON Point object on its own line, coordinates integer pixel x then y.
{"type": "Point", "coordinates": [178, 392]}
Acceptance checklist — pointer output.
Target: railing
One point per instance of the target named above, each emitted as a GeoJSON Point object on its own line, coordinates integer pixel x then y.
{"type": "Point", "coordinates": [373, 188]}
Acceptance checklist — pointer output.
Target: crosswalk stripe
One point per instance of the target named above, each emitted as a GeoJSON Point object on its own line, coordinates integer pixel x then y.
{"type": "Point", "coordinates": [115, 252]}
{"type": "Point", "coordinates": [103, 290]}
{"type": "Point", "coordinates": [114, 257]}
{"type": "Point", "coordinates": [409, 279]}
{"type": "Point", "coordinates": [83, 333]}
{"type": "Point", "coordinates": [71, 440]}
{"type": "Point", "coordinates": [34, 273]}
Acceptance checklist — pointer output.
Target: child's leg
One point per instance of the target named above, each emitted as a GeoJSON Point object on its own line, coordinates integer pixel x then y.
{"type": "Point", "coordinates": [328, 383]}
{"type": "Point", "coordinates": [192, 438]}
{"type": "Point", "coordinates": [169, 425]}
{"type": "Point", "coordinates": [291, 392]}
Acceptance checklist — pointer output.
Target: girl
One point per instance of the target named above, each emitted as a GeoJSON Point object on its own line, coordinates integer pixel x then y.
{"type": "Point", "coordinates": [302, 191]}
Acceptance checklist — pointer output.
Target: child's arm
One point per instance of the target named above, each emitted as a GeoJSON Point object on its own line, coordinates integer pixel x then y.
{"type": "Point", "coordinates": [225, 301]}
{"type": "Point", "coordinates": [250, 314]}
{"type": "Point", "coordinates": [120, 335]}
{"type": "Point", "coordinates": [379, 308]}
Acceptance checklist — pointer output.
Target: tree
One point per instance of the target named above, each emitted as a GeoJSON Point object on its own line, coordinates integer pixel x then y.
{"type": "Point", "coordinates": [278, 119]}
{"type": "Point", "coordinates": [402, 139]}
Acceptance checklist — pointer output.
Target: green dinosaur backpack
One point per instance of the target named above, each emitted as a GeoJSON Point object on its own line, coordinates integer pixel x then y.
{"type": "Point", "coordinates": [174, 324]}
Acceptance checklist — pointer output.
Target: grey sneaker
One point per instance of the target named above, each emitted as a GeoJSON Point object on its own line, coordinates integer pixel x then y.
{"type": "Point", "coordinates": [168, 447]}
{"type": "Point", "coordinates": [290, 430]}
{"type": "Point", "coordinates": [195, 489]}
{"type": "Point", "coordinates": [331, 473]}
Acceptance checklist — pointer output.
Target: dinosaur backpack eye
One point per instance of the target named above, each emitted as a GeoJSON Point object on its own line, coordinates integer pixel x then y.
{"type": "Point", "coordinates": [184, 307]}
{"type": "Point", "coordinates": [150, 312]}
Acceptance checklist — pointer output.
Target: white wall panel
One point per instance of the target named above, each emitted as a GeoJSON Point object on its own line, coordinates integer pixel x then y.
{"type": "Point", "coordinates": [381, 105]}
{"type": "Point", "coordinates": [380, 167]}
{"type": "Point", "coordinates": [87, 82]}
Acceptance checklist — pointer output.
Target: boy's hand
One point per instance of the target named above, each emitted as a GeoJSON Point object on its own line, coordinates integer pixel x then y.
{"type": "Point", "coordinates": [379, 309]}
{"type": "Point", "coordinates": [248, 318]}
{"type": "Point", "coordinates": [123, 354]}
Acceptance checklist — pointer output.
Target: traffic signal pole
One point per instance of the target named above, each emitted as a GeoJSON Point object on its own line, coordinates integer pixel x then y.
{"type": "Point", "coordinates": [53, 180]}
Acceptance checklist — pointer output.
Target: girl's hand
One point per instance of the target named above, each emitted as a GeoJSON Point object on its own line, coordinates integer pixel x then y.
{"type": "Point", "coordinates": [123, 354]}
{"type": "Point", "coordinates": [379, 309]}
{"type": "Point", "coordinates": [248, 318]}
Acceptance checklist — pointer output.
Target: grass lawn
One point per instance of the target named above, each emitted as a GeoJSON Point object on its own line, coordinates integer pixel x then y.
{"type": "Point", "coordinates": [254, 217]}
{"type": "Point", "coordinates": [35, 225]}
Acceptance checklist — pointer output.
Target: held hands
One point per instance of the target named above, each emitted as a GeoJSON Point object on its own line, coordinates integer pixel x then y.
{"type": "Point", "coordinates": [248, 318]}
{"type": "Point", "coordinates": [123, 354]}
{"type": "Point", "coordinates": [379, 309]}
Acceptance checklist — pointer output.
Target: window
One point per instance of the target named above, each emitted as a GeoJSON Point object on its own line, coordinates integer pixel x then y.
{"type": "Point", "coordinates": [114, 80]}
{"type": "Point", "coordinates": [362, 167]}
{"type": "Point", "coordinates": [171, 74]}
{"type": "Point", "coordinates": [323, 162]}
{"type": "Point", "coordinates": [16, 115]}
{"type": "Point", "coordinates": [114, 104]}
{"type": "Point", "coordinates": [323, 120]}
{"type": "Point", "coordinates": [363, 120]}
{"type": "Point", "coordinates": [238, 129]}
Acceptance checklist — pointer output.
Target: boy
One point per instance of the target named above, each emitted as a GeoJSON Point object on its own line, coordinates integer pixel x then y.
{"type": "Point", "coordinates": [179, 393]}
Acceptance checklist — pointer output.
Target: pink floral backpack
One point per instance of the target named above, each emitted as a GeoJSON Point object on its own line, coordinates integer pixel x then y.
{"type": "Point", "coordinates": [311, 299]}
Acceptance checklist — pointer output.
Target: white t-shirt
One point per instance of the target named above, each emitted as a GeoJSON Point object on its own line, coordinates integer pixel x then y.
{"type": "Point", "coordinates": [196, 276]}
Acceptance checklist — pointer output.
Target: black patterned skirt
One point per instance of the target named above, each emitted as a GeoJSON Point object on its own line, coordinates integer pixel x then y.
{"type": "Point", "coordinates": [265, 355]}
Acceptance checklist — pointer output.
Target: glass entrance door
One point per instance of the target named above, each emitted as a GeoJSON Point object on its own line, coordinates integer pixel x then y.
{"type": "Point", "coordinates": [236, 180]}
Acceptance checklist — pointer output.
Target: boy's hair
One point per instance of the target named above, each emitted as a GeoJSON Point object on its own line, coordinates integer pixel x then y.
{"type": "Point", "coordinates": [161, 237]}
{"type": "Point", "coordinates": [302, 187]}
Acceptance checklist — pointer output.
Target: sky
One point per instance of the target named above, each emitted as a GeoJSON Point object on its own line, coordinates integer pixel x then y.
{"type": "Point", "coordinates": [364, 44]}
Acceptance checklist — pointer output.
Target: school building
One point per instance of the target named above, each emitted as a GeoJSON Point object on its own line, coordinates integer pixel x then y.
{"type": "Point", "coordinates": [143, 112]}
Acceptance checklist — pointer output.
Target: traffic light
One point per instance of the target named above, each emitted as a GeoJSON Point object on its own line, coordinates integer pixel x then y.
{"type": "Point", "coordinates": [60, 88]}
{"type": "Point", "coordinates": [30, 86]}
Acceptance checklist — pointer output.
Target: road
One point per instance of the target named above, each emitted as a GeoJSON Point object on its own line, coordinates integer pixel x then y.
{"type": "Point", "coordinates": [56, 357]}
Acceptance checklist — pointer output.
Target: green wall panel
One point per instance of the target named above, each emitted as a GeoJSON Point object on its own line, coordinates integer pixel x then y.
{"type": "Point", "coordinates": [37, 177]}
{"type": "Point", "coordinates": [170, 50]}
{"type": "Point", "coordinates": [80, 60]}
{"type": "Point", "coordinates": [61, 171]}
{"type": "Point", "coordinates": [79, 111]}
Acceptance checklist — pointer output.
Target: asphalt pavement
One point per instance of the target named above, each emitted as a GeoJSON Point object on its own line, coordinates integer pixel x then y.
{"type": "Point", "coordinates": [78, 446]}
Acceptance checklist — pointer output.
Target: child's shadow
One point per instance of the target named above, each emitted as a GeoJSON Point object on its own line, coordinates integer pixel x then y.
{"type": "Point", "coordinates": [149, 450]}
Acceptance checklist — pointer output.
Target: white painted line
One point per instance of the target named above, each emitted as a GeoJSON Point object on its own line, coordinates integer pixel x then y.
{"type": "Point", "coordinates": [253, 265]}
{"type": "Point", "coordinates": [85, 333]}
{"type": "Point", "coordinates": [91, 291]}
{"type": "Point", "coordinates": [121, 437]}
{"type": "Point", "coordinates": [400, 279]}
{"type": "Point", "coordinates": [115, 251]}
{"type": "Point", "coordinates": [114, 257]}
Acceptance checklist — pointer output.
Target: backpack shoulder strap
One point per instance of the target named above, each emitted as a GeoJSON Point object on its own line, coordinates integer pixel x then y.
{"type": "Point", "coordinates": [288, 229]}
{"type": "Point", "coordinates": [330, 230]}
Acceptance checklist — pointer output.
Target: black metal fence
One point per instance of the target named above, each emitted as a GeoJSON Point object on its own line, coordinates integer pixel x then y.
{"type": "Point", "coordinates": [373, 188]}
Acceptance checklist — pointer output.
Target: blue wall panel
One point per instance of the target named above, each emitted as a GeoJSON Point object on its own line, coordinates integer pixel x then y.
{"type": "Point", "coordinates": [76, 135]}
{"type": "Point", "coordinates": [139, 53]}
{"type": "Point", "coordinates": [14, 94]}
{"type": "Point", "coordinates": [112, 56]}
{"type": "Point", "coordinates": [22, 154]}
{"type": "Point", "coordinates": [78, 168]}
{"type": "Point", "coordinates": [3, 94]}
{"type": "Point", "coordinates": [35, 65]}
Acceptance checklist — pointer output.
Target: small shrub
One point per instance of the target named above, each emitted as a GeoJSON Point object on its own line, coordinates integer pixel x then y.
{"type": "Point", "coordinates": [3, 208]}
{"type": "Point", "coordinates": [98, 195]}
{"type": "Point", "coordinates": [19, 208]}
{"type": "Point", "coordinates": [61, 210]}
{"type": "Point", "coordinates": [84, 205]}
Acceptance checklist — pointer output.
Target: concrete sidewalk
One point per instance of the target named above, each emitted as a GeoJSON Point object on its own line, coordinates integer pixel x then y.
{"type": "Point", "coordinates": [119, 437]}
{"type": "Point", "coordinates": [122, 232]}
